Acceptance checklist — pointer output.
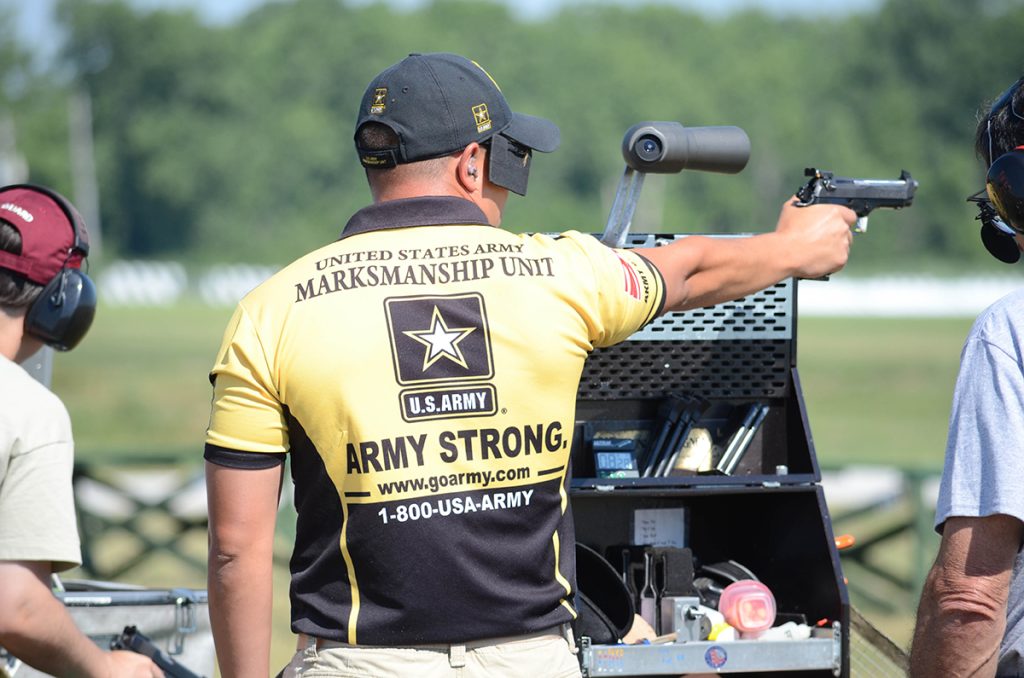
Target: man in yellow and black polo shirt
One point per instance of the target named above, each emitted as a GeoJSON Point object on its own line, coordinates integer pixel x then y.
{"type": "Point", "coordinates": [421, 371]}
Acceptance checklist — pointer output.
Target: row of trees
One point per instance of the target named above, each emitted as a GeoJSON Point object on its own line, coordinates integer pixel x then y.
{"type": "Point", "coordinates": [233, 142]}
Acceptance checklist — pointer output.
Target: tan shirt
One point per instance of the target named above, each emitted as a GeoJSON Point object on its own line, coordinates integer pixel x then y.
{"type": "Point", "coordinates": [37, 511]}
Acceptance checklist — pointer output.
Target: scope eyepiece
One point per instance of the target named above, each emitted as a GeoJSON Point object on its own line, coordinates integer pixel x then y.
{"type": "Point", "coordinates": [649, 148]}
{"type": "Point", "coordinates": [668, 147]}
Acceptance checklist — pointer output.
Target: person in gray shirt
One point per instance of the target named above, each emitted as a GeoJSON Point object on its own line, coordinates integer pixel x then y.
{"type": "Point", "coordinates": [970, 621]}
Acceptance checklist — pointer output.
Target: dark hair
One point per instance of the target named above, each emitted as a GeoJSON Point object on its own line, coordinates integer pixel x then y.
{"type": "Point", "coordinates": [374, 136]}
{"type": "Point", "coordinates": [1003, 131]}
{"type": "Point", "coordinates": [16, 291]}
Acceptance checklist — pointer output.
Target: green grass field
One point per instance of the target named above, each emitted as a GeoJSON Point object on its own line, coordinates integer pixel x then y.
{"type": "Point", "coordinates": [138, 385]}
{"type": "Point", "coordinates": [877, 391]}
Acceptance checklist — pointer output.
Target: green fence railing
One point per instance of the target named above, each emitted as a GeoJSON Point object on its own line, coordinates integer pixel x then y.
{"type": "Point", "coordinates": [894, 542]}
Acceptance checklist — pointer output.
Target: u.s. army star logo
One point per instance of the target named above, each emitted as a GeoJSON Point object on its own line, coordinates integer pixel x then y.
{"type": "Point", "coordinates": [380, 100]}
{"type": "Point", "coordinates": [482, 118]}
{"type": "Point", "coordinates": [441, 341]}
{"type": "Point", "coordinates": [441, 350]}
{"type": "Point", "coordinates": [439, 338]}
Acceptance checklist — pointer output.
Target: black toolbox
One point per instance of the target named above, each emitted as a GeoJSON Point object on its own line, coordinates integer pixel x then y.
{"type": "Point", "coordinates": [762, 506]}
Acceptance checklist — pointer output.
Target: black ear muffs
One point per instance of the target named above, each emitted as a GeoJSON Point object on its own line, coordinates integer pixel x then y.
{"type": "Point", "coordinates": [1004, 184]}
{"type": "Point", "coordinates": [999, 244]}
{"type": "Point", "coordinates": [1001, 203]}
{"type": "Point", "coordinates": [1003, 215]}
{"type": "Point", "coordinates": [63, 313]}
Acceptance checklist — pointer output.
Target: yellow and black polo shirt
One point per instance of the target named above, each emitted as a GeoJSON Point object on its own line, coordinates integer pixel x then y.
{"type": "Point", "coordinates": [422, 373]}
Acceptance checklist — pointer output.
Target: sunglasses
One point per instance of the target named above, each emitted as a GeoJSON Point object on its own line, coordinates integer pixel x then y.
{"type": "Point", "coordinates": [987, 213]}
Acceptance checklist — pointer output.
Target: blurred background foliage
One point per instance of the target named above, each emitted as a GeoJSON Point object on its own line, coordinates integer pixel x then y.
{"type": "Point", "coordinates": [232, 142]}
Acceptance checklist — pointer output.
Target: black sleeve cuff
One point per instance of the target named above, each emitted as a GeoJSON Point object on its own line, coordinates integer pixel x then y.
{"type": "Point", "coordinates": [223, 456]}
{"type": "Point", "coordinates": [656, 272]}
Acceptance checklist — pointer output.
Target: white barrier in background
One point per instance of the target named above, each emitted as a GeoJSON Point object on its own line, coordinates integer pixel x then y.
{"type": "Point", "coordinates": [225, 285]}
{"type": "Point", "coordinates": [158, 283]}
{"type": "Point", "coordinates": [142, 283]}
{"type": "Point", "coordinates": [921, 296]}
{"type": "Point", "coordinates": [857, 486]}
{"type": "Point", "coordinates": [161, 283]}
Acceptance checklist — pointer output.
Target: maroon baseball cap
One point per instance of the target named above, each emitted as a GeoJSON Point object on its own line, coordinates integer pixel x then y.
{"type": "Point", "coordinates": [52, 234]}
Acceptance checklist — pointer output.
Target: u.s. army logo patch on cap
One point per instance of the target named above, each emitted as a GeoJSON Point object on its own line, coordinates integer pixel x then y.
{"type": "Point", "coordinates": [482, 118]}
{"type": "Point", "coordinates": [380, 100]}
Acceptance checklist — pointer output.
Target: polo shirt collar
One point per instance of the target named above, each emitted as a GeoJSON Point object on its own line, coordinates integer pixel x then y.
{"type": "Point", "coordinates": [425, 211]}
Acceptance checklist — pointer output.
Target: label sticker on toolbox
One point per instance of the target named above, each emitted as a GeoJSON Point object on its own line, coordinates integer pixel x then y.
{"type": "Point", "coordinates": [716, 657]}
{"type": "Point", "coordinates": [609, 658]}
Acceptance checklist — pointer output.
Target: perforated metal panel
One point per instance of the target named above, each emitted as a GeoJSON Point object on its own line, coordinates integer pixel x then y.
{"type": "Point", "coordinates": [737, 349]}
{"type": "Point", "coordinates": [764, 315]}
{"type": "Point", "coordinates": [723, 369]}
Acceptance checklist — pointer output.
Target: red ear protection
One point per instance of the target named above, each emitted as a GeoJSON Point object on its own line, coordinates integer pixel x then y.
{"type": "Point", "coordinates": [63, 313]}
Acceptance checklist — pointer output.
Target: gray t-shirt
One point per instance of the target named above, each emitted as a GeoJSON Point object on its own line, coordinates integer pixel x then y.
{"type": "Point", "coordinates": [984, 467]}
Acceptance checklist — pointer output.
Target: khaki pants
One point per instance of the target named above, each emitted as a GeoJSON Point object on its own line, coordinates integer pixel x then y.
{"type": "Point", "coordinates": [547, 654]}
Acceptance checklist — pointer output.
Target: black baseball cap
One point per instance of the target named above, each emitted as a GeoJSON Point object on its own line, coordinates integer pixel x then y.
{"type": "Point", "coordinates": [438, 104]}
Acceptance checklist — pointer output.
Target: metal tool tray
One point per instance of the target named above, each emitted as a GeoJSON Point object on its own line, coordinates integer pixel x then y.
{"type": "Point", "coordinates": [822, 651]}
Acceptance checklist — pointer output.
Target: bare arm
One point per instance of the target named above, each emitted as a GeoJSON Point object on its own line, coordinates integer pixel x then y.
{"type": "Point", "coordinates": [808, 242]}
{"type": "Point", "coordinates": [962, 614]}
{"type": "Point", "coordinates": [243, 510]}
{"type": "Point", "coordinates": [37, 629]}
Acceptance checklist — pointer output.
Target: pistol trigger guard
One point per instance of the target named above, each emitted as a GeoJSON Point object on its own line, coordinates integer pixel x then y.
{"type": "Point", "coordinates": [805, 194]}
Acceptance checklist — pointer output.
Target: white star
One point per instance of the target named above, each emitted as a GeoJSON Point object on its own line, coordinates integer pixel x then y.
{"type": "Point", "coordinates": [441, 341]}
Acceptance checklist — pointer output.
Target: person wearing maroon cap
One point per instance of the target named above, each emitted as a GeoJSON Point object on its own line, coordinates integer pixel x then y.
{"type": "Point", "coordinates": [421, 374]}
{"type": "Point", "coordinates": [45, 299]}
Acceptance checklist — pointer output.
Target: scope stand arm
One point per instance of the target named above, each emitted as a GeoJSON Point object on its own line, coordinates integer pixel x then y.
{"type": "Point", "coordinates": [624, 206]}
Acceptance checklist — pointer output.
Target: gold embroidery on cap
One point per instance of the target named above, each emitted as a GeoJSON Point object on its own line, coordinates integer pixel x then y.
{"type": "Point", "coordinates": [380, 100]}
{"type": "Point", "coordinates": [482, 118]}
{"type": "Point", "coordinates": [493, 81]}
